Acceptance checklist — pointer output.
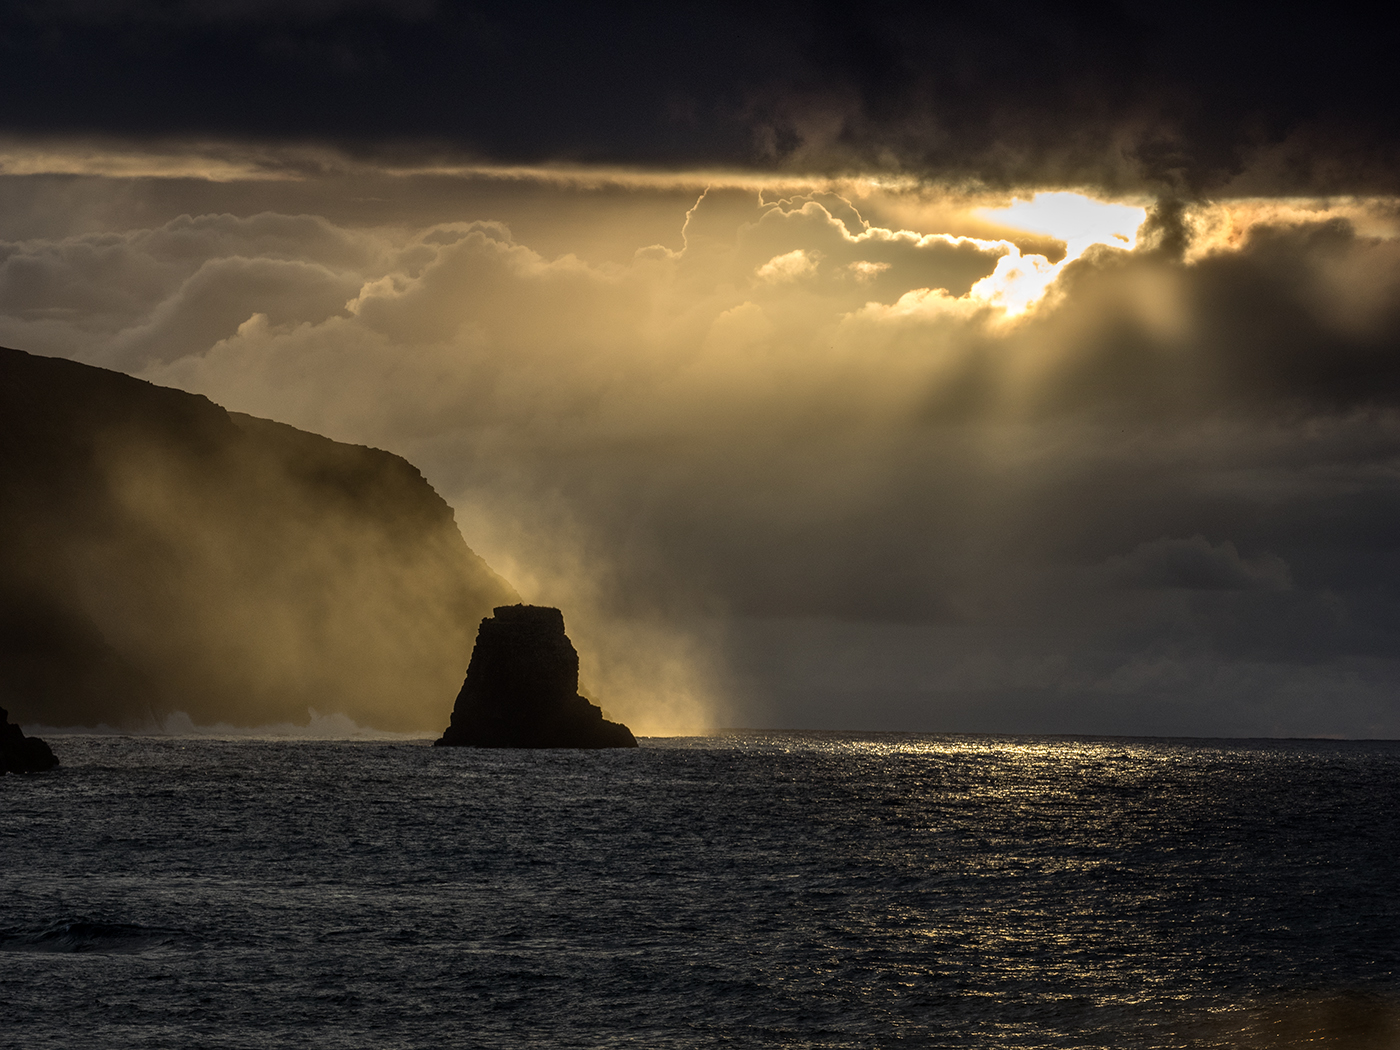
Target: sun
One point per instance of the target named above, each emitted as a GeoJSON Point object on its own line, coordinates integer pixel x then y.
{"type": "Point", "coordinates": [1019, 282]}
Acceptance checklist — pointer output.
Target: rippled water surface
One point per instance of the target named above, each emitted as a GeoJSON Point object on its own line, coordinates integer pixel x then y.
{"type": "Point", "coordinates": [796, 890]}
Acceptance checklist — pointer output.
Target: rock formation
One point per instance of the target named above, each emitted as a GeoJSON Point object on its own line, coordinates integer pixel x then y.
{"type": "Point", "coordinates": [160, 554]}
{"type": "Point", "coordinates": [522, 688]}
{"type": "Point", "coordinates": [20, 753]}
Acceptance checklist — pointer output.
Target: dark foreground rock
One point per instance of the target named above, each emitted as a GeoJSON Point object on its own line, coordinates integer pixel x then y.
{"type": "Point", "coordinates": [522, 688]}
{"type": "Point", "coordinates": [20, 753]}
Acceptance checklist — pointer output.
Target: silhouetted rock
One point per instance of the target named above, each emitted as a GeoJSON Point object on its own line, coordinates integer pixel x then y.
{"type": "Point", "coordinates": [158, 553]}
{"type": "Point", "coordinates": [522, 688]}
{"type": "Point", "coordinates": [20, 753]}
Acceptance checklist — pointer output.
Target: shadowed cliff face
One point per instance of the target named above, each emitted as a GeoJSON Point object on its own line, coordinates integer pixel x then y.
{"type": "Point", "coordinates": [522, 688]}
{"type": "Point", "coordinates": [159, 554]}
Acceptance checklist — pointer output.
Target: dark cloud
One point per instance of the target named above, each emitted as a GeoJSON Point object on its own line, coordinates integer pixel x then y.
{"type": "Point", "coordinates": [1120, 95]}
{"type": "Point", "coordinates": [210, 12]}
{"type": "Point", "coordinates": [1295, 319]}
{"type": "Point", "coordinates": [1196, 564]}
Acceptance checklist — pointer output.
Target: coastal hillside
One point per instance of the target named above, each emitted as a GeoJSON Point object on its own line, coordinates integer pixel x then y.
{"type": "Point", "coordinates": [160, 554]}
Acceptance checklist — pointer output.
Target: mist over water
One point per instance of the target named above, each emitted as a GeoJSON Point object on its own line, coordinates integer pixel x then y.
{"type": "Point", "coordinates": [180, 726]}
{"type": "Point", "coordinates": [160, 556]}
{"type": "Point", "coordinates": [779, 889]}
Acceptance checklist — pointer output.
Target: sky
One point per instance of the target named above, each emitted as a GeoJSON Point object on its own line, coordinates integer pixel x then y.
{"type": "Point", "coordinates": [1024, 369]}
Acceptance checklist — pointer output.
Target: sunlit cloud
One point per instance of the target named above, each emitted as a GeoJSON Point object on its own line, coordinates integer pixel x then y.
{"type": "Point", "coordinates": [866, 271]}
{"type": "Point", "coordinates": [1223, 225]}
{"type": "Point", "coordinates": [1017, 283]}
{"type": "Point", "coordinates": [790, 266]}
{"type": "Point", "coordinates": [232, 160]}
{"type": "Point", "coordinates": [799, 410]}
{"type": "Point", "coordinates": [211, 161]}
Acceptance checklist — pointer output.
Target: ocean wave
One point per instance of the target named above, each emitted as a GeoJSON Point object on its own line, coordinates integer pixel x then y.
{"type": "Point", "coordinates": [84, 935]}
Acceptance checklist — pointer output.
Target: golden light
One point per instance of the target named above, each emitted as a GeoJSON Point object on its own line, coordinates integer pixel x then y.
{"type": "Point", "coordinates": [1077, 220]}
{"type": "Point", "coordinates": [1019, 282]}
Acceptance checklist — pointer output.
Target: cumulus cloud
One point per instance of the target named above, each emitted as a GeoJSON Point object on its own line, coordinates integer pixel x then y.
{"type": "Point", "coordinates": [801, 467]}
{"type": "Point", "coordinates": [138, 296]}
{"type": "Point", "coordinates": [790, 266]}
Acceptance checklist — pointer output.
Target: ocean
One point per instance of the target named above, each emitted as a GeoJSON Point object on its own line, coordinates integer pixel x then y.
{"type": "Point", "coordinates": [746, 890]}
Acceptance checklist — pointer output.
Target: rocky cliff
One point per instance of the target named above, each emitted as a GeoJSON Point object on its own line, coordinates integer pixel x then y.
{"type": "Point", "coordinates": [522, 688]}
{"type": "Point", "coordinates": [159, 554]}
{"type": "Point", "coordinates": [20, 753]}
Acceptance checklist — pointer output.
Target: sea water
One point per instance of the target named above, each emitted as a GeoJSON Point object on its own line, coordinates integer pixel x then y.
{"type": "Point", "coordinates": [748, 889]}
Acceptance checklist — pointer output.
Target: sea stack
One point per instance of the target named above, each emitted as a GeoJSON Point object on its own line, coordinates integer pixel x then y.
{"type": "Point", "coordinates": [20, 753]}
{"type": "Point", "coordinates": [522, 688]}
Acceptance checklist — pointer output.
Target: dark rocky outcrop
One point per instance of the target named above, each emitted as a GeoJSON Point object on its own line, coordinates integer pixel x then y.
{"type": "Point", "coordinates": [522, 688]}
{"type": "Point", "coordinates": [20, 753]}
{"type": "Point", "coordinates": [160, 554]}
